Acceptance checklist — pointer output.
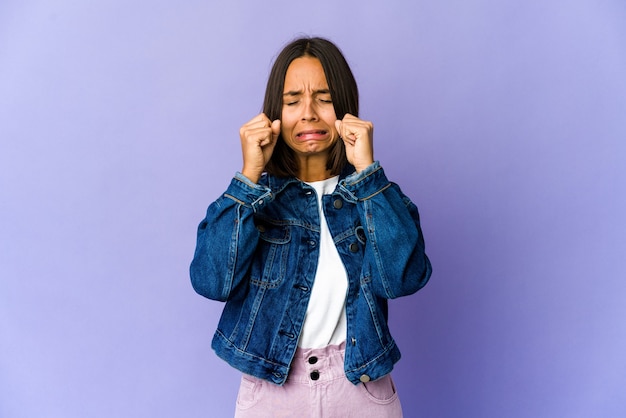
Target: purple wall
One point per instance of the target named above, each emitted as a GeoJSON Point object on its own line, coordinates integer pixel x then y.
{"type": "Point", "coordinates": [504, 121]}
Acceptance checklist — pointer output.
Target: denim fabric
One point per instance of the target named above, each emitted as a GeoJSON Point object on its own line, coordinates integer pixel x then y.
{"type": "Point", "coordinates": [257, 250]}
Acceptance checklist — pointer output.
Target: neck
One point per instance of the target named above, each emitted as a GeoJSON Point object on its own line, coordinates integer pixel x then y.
{"type": "Point", "coordinates": [313, 169]}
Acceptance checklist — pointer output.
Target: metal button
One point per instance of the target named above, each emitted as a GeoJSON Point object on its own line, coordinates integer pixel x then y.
{"type": "Point", "coordinates": [312, 360]}
{"type": "Point", "coordinates": [354, 247]}
{"type": "Point", "coordinates": [260, 228]}
{"type": "Point", "coordinates": [360, 234]}
{"type": "Point", "coordinates": [365, 378]}
{"type": "Point", "coordinates": [338, 203]}
{"type": "Point", "coordinates": [315, 375]}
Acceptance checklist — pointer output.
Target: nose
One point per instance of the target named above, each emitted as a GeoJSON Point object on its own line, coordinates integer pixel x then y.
{"type": "Point", "coordinates": [308, 111]}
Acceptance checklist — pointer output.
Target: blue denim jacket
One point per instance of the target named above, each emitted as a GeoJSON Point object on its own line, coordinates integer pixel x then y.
{"type": "Point", "coordinates": [257, 250]}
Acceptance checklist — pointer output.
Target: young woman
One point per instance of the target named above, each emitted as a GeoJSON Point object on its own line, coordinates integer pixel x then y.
{"type": "Point", "coordinates": [305, 246]}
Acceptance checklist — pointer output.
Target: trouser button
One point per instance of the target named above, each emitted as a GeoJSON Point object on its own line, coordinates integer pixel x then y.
{"type": "Point", "coordinates": [312, 360]}
{"type": "Point", "coordinates": [315, 375]}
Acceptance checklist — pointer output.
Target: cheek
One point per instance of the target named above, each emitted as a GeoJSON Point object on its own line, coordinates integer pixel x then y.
{"type": "Point", "coordinates": [330, 118]}
{"type": "Point", "coordinates": [286, 124]}
{"type": "Point", "coordinates": [283, 131]}
{"type": "Point", "coordinates": [331, 123]}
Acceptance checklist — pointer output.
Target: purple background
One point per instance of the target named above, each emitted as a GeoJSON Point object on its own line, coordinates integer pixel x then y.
{"type": "Point", "coordinates": [505, 121]}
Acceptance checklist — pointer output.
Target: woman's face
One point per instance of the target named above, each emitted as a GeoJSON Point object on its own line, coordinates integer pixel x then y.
{"type": "Point", "coordinates": [308, 116]}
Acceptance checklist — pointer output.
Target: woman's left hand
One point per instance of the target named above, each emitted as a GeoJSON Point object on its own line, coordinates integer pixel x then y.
{"type": "Point", "coordinates": [358, 137]}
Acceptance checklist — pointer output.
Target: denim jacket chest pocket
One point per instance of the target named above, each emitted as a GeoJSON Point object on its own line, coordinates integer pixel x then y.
{"type": "Point", "coordinates": [269, 266]}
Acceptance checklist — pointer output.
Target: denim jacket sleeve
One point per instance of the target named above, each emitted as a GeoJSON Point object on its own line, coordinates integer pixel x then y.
{"type": "Point", "coordinates": [227, 238]}
{"type": "Point", "coordinates": [394, 260]}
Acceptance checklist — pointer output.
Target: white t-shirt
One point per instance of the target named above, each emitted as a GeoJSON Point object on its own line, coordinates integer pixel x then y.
{"type": "Point", "coordinates": [325, 321]}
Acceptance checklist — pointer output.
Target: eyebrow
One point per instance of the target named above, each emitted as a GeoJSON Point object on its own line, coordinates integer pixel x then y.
{"type": "Point", "coordinates": [299, 92]}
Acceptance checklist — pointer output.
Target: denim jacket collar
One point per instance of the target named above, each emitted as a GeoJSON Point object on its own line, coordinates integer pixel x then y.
{"type": "Point", "coordinates": [278, 184]}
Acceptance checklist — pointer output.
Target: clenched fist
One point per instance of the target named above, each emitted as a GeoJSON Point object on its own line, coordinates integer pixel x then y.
{"type": "Point", "coordinates": [358, 137]}
{"type": "Point", "coordinates": [258, 139]}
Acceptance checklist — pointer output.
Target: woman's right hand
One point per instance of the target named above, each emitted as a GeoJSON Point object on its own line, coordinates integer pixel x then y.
{"type": "Point", "coordinates": [258, 139]}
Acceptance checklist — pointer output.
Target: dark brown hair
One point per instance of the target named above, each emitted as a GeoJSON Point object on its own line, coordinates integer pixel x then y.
{"type": "Point", "coordinates": [343, 91]}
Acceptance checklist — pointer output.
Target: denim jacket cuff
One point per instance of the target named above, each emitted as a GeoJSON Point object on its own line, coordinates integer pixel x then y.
{"type": "Point", "coordinates": [247, 193]}
{"type": "Point", "coordinates": [362, 186]}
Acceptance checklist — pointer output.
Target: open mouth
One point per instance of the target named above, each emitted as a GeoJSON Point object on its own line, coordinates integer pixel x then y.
{"type": "Point", "coordinates": [311, 134]}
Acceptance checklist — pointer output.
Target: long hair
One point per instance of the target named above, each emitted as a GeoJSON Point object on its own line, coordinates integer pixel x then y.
{"type": "Point", "coordinates": [343, 91]}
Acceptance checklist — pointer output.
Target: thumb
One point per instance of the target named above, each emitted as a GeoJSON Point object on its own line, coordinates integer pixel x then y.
{"type": "Point", "coordinates": [275, 129]}
{"type": "Point", "coordinates": [338, 124]}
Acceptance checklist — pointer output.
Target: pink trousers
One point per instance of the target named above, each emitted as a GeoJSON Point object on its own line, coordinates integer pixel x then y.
{"type": "Point", "coordinates": [317, 388]}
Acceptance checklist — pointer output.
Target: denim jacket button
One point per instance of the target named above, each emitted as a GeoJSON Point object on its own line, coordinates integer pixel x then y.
{"type": "Point", "coordinates": [338, 203]}
{"type": "Point", "coordinates": [364, 378]}
{"type": "Point", "coordinates": [354, 247]}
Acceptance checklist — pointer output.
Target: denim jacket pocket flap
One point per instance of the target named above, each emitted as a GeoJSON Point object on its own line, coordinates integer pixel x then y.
{"type": "Point", "coordinates": [269, 266]}
{"type": "Point", "coordinates": [274, 234]}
